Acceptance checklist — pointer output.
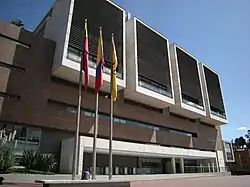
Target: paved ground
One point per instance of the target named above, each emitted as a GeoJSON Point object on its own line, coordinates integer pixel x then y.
{"type": "Point", "coordinates": [22, 185]}
{"type": "Point", "coordinates": [227, 181]}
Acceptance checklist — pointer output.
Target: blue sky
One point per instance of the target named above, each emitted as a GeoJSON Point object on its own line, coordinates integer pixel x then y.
{"type": "Point", "coordinates": [216, 32]}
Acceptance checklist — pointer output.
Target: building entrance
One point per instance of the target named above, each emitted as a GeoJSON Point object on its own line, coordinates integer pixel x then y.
{"type": "Point", "coordinates": [124, 165]}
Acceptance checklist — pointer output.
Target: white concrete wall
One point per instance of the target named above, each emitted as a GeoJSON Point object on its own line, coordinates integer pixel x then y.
{"type": "Point", "coordinates": [180, 107]}
{"type": "Point", "coordinates": [66, 159]}
{"type": "Point", "coordinates": [58, 29]}
{"type": "Point", "coordinates": [210, 117]}
{"type": "Point", "coordinates": [131, 57]}
{"type": "Point", "coordinates": [133, 90]}
{"type": "Point", "coordinates": [136, 149]}
{"type": "Point", "coordinates": [175, 74]}
{"type": "Point", "coordinates": [204, 87]}
{"type": "Point", "coordinates": [129, 149]}
{"type": "Point", "coordinates": [67, 152]}
{"type": "Point", "coordinates": [221, 161]}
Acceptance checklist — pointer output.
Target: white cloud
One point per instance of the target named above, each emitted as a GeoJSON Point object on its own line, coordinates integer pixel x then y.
{"type": "Point", "coordinates": [242, 128]}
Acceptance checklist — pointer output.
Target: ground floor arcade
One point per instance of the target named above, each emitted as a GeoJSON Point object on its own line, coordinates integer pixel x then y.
{"type": "Point", "coordinates": [135, 159]}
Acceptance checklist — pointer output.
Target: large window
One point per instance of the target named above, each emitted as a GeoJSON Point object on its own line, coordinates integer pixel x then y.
{"type": "Point", "coordinates": [214, 93]}
{"type": "Point", "coordinates": [103, 14]}
{"type": "Point", "coordinates": [189, 79]}
{"type": "Point", "coordinates": [26, 137]}
{"type": "Point", "coordinates": [228, 152]}
{"type": "Point", "coordinates": [89, 113]}
{"type": "Point", "coordinates": [152, 55]}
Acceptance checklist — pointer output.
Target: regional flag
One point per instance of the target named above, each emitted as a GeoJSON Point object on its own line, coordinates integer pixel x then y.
{"type": "Point", "coordinates": [113, 70]}
{"type": "Point", "coordinates": [85, 56]}
{"type": "Point", "coordinates": [99, 65]}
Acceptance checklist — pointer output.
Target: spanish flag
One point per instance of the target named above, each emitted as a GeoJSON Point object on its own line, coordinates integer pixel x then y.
{"type": "Point", "coordinates": [113, 70]}
{"type": "Point", "coordinates": [99, 65]}
{"type": "Point", "coordinates": [85, 57]}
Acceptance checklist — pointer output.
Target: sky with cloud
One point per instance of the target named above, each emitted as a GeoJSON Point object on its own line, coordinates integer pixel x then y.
{"type": "Point", "coordinates": [216, 32]}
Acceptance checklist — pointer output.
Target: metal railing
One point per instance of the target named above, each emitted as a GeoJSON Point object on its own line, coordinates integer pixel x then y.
{"type": "Point", "coordinates": [205, 169]}
{"type": "Point", "coordinates": [219, 114]}
{"type": "Point", "coordinates": [146, 83]}
{"type": "Point", "coordinates": [192, 104]}
{"type": "Point", "coordinates": [77, 58]}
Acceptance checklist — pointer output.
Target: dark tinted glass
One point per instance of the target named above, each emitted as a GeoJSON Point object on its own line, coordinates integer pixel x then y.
{"type": "Point", "coordinates": [189, 77]}
{"type": "Point", "coordinates": [214, 89]}
{"type": "Point", "coordinates": [99, 13]}
{"type": "Point", "coordinates": [153, 62]}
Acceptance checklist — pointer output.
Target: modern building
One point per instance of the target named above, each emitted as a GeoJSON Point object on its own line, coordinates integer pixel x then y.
{"type": "Point", "coordinates": [241, 160]}
{"type": "Point", "coordinates": [165, 118]}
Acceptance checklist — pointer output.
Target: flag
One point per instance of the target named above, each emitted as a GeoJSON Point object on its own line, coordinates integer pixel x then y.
{"type": "Point", "coordinates": [113, 70]}
{"type": "Point", "coordinates": [85, 56]}
{"type": "Point", "coordinates": [99, 65]}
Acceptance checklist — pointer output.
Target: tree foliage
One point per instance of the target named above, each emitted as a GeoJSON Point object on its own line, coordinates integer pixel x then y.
{"type": "Point", "coordinates": [247, 136]}
{"type": "Point", "coordinates": [7, 159]}
{"type": "Point", "coordinates": [17, 22]}
{"type": "Point", "coordinates": [239, 142]}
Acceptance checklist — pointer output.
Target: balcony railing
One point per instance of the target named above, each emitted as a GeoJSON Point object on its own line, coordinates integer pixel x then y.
{"type": "Point", "coordinates": [153, 86]}
{"type": "Point", "coordinates": [190, 103]}
{"type": "Point", "coordinates": [74, 55]}
{"type": "Point", "coordinates": [219, 114]}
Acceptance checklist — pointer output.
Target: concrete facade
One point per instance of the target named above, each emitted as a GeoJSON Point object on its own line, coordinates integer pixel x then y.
{"type": "Point", "coordinates": [210, 117]}
{"type": "Point", "coordinates": [188, 110]}
{"type": "Point", "coordinates": [38, 89]}
{"type": "Point", "coordinates": [134, 90]}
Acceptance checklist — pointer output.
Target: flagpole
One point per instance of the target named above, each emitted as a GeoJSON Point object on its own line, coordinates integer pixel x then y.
{"type": "Point", "coordinates": [96, 123]}
{"type": "Point", "coordinates": [111, 121]}
{"type": "Point", "coordinates": [95, 138]}
{"type": "Point", "coordinates": [78, 119]}
{"type": "Point", "coordinates": [111, 136]}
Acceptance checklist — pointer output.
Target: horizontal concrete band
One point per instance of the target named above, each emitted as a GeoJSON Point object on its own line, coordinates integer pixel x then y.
{"type": "Point", "coordinates": [136, 149]}
{"type": "Point", "coordinates": [130, 178]}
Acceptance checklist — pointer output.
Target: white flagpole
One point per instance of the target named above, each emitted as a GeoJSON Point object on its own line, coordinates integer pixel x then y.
{"type": "Point", "coordinates": [110, 139]}
{"type": "Point", "coordinates": [95, 130]}
{"type": "Point", "coordinates": [78, 120]}
{"type": "Point", "coordinates": [111, 120]}
{"type": "Point", "coordinates": [95, 138]}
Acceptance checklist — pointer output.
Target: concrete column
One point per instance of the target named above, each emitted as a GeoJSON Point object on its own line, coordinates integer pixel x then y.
{"type": "Point", "coordinates": [106, 170]}
{"type": "Point", "coordinates": [116, 170]}
{"type": "Point", "coordinates": [213, 167]}
{"type": "Point", "coordinates": [134, 171]}
{"type": "Point", "coordinates": [125, 171]}
{"type": "Point", "coordinates": [201, 168]}
{"type": "Point", "coordinates": [208, 165]}
{"type": "Point", "coordinates": [217, 165]}
{"type": "Point", "coordinates": [80, 156]}
{"type": "Point", "coordinates": [173, 165]}
{"type": "Point", "coordinates": [182, 165]}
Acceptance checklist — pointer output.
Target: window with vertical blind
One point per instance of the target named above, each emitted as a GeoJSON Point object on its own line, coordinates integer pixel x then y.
{"type": "Point", "coordinates": [189, 78]}
{"type": "Point", "coordinates": [103, 14]}
{"type": "Point", "coordinates": [152, 51]}
{"type": "Point", "coordinates": [214, 93]}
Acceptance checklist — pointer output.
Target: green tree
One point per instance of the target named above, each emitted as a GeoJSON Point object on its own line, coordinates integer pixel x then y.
{"type": "Point", "coordinates": [242, 142]}
{"type": "Point", "coordinates": [7, 159]}
{"type": "Point", "coordinates": [17, 22]}
{"type": "Point", "coordinates": [248, 139]}
{"type": "Point", "coordinates": [236, 143]}
{"type": "Point", "coordinates": [239, 142]}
